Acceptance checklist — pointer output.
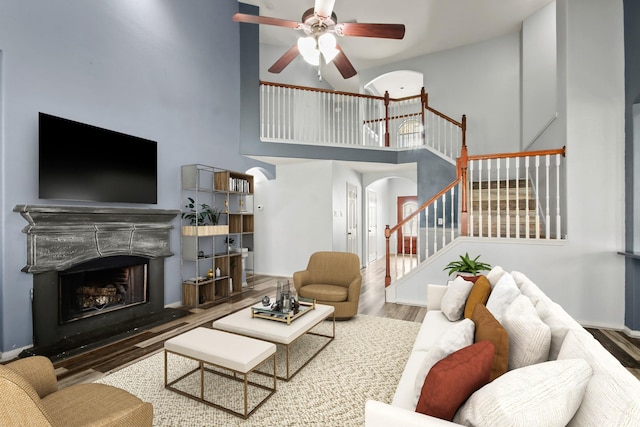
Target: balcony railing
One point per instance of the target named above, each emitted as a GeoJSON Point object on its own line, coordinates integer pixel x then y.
{"type": "Point", "coordinates": [303, 115]}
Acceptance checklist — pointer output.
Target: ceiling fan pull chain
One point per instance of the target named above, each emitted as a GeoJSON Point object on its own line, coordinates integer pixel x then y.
{"type": "Point", "coordinates": [319, 73]}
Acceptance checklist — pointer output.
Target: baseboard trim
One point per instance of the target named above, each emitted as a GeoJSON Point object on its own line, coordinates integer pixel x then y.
{"type": "Point", "coordinates": [631, 332]}
{"type": "Point", "coordinates": [12, 354]}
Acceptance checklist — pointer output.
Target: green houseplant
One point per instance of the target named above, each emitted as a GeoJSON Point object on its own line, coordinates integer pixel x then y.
{"type": "Point", "coordinates": [203, 221]}
{"type": "Point", "coordinates": [466, 266]}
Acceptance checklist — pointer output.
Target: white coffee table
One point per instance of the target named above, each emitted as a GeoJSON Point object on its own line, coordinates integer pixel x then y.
{"type": "Point", "coordinates": [230, 351]}
{"type": "Point", "coordinates": [242, 323]}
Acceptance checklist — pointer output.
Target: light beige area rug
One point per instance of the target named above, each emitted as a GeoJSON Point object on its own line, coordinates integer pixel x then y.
{"type": "Point", "coordinates": [364, 362]}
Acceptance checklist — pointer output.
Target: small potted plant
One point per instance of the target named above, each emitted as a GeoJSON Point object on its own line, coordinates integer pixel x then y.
{"type": "Point", "coordinates": [203, 221]}
{"type": "Point", "coordinates": [229, 241]}
{"type": "Point", "coordinates": [467, 267]}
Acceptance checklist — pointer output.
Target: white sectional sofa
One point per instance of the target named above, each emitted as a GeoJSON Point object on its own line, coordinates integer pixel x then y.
{"type": "Point", "coordinates": [558, 388]}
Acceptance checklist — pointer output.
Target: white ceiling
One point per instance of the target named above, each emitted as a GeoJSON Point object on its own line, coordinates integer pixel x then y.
{"type": "Point", "coordinates": [431, 26]}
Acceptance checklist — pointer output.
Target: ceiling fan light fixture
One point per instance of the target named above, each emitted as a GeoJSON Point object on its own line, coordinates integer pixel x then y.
{"type": "Point", "coordinates": [309, 50]}
{"type": "Point", "coordinates": [327, 45]}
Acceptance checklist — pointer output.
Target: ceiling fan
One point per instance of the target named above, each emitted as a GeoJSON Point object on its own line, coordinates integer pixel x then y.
{"type": "Point", "coordinates": [320, 26]}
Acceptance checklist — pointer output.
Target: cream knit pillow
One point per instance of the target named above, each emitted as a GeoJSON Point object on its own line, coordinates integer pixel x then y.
{"type": "Point", "coordinates": [547, 394]}
{"type": "Point", "coordinates": [529, 337]}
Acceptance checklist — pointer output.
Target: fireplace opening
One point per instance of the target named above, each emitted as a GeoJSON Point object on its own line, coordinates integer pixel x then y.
{"type": "Point", "coordinates": [102, 285]}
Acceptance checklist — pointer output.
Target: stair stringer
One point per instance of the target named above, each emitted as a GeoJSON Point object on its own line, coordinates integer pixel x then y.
{"type": "Point", "coordinates": [511, 254]}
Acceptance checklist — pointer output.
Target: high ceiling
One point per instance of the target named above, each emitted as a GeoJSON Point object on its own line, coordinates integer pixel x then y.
{"type": "Point", "coordinates": [431, 26]}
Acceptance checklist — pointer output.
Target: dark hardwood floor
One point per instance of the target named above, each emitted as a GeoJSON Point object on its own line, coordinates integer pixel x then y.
{"type": "Point", "coordinates": [93, 364]}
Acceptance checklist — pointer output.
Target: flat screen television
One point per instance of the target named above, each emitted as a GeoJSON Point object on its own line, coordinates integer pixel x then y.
{"type": "Point", "coordinates": [81, 162]}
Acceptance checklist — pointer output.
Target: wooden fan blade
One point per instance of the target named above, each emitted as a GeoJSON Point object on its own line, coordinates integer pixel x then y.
{"type": "Point", "coordinates": [383, 31]}
{"type": "Point", "coordinates": [344, 65]}
{"type": "Point", "coordinates": [324, 8]}
{"type": "Point", "coordinates": [285, 59]}
{"type": "Point", "coordinates": [253, 19]}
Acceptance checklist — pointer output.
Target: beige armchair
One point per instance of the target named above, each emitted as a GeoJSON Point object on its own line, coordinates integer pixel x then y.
{"type": "Point", "coordinates": [332, 278]}
{"type": "Point", "coordinates": [29, 396]}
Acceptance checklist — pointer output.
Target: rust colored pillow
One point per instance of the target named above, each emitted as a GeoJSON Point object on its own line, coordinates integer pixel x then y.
{"type": "Point", "coordinates": [453, 379]}
{"type": "Point", "coordinates": [488, 328]}
{"type": "Point", "coordinates": [479, 295]}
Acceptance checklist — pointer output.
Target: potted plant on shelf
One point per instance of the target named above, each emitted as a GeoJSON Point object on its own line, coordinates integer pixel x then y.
{"type": "Point", "coordinates": [467, 267]}
{"type": "Point", "coordinates": [203, 221]}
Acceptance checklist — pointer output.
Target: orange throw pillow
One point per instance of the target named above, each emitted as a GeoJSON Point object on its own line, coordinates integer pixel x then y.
{"type": "Point", "coordinates": [479, 295]}
{"type": "Point", "coordinates": [453, 379]}
{"type": "Point", "coordinates": [488, 328]}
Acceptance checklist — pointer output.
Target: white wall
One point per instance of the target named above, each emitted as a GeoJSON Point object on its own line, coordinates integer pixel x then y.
{"type": "Point", "coordinates": [584, 273]}
{"type": "Point", "coordinates": [481, 80]}
{"type": "Point", "coordinates": [296, 219]}
{"type": "Point", "coordinates": [539, 73]}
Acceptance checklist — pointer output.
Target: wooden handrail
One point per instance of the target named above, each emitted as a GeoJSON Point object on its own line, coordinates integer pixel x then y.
{"type": "Point", "coordinates": [404, 116]}
{"type": "Point", "coordinates": [335, 92]}
{"type": "Point", "coordinates": [561, 151]}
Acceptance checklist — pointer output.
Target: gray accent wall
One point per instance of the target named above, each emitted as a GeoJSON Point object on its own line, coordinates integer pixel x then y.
{"type": "Point", "coordinates": [163, 70]}
{"type": "Point", "coordinates": [632, 165]}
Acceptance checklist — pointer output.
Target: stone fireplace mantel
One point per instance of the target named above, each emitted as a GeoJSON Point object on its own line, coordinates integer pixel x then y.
{"type": "Point", "coordinates": [59, 237]}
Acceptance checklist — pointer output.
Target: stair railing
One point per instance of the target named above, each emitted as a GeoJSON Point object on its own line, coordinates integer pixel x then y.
{"type": "Point", "coordinates": [516, 195]}
{"type": "Point", "coordinates": [459, 208]}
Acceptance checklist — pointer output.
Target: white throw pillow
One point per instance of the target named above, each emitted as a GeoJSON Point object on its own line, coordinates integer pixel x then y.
{"type": "Point", "coordinates": [494, 275]}
{"type": "Point", "coordinates": [547, 394]}
{"type": "Point", "coordinates": [502, 295]}
{"type": "Point", "coordinates": [613, 394]}
{"type": "Point", "coordinates": [455, 298]}
{"type": "Point", "coordinates": [529, 337]}
{"type": "Point", "coordinates": [457, 337]}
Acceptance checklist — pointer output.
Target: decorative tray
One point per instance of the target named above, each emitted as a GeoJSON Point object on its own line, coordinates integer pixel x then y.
{"type": "Point", "coordinates": [262, 312]}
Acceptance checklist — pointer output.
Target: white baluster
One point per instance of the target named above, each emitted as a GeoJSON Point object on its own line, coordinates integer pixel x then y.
{"type": "Point", "coordinates": [517, 197]}
{"type": "Point", "coordinates": [537, 197]}
{"type": "Point", "coordinates": [558, 217]}
{"type": "Point", "coordinates": [548, 209]}
{"type": "Point", "coordinates": [527, 195]}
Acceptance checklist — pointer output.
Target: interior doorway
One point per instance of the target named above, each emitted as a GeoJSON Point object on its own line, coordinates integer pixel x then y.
{"type": "Point", "coordinates": [372, 229]}
{"type": "Point", "coordinates": [352, 219]}
{"type": "Point", "coordinates": [407, 234]}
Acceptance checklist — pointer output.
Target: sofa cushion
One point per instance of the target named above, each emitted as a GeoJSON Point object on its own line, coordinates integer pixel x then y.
{"type": "Point", "coordinates": [453, 379]}
{"type": "Point", "coordinates": [558, 321]}
{"type": "Point", "coordinates": [529, 337]}
{"type": "Point", "coordinates": [494, 275]}
{"type": "Point", "coordinates": [546, 394]}
{"type": "Point", "coordinates": [454, 300]}
{"type": "Point", "coordinates": [328, 293]}
{"type": "Point", "coordinates": [434, 326]}
{"type": "Point", "coordinates": [488, 328]}
{"type": "Point", "coordinates": [458, 336]}
{"type": "Point", "coordinates": [405, 396]}
{"type": "Point", "coordinates": [612, 397]}
{"type": "Point", "coordinates": [479, 295]}
{"type": "Point", "coordinates": [503, 293]}
{"type": "Point", "coordinates": [528, 288]}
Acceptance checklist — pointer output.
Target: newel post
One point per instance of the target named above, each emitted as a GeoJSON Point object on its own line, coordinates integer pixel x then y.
{"type": "Point", "coordinates": [424, 100]}
{"type": "Point", "coordinates": [386, 118]}
{"type": "Point", "coordinates": [387, 274]}
{"type": "Point", "coordinates": [463, 163]}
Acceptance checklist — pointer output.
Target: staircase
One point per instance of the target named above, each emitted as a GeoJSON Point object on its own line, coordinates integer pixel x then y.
{"type": "Point", "coordinates": [504, 208]}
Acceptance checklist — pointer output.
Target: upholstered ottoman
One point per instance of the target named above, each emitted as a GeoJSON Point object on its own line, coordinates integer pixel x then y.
{"type": "Point", "coordinates": [224, 350]}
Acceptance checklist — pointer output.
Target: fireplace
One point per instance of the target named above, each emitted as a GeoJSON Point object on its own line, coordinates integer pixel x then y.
{"type": "Point", "coordinates": [97, 287]}
{"type": "Point", "coordinates": [94, 269]}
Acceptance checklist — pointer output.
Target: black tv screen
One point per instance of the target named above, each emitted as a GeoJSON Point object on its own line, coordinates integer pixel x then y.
{"type": "Point", "coordinates": [78, 161]}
